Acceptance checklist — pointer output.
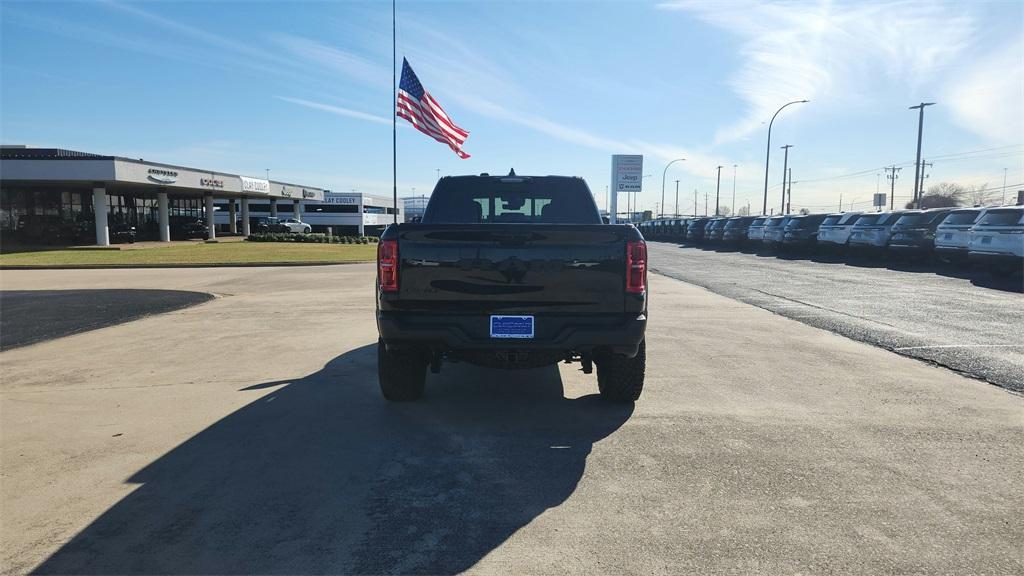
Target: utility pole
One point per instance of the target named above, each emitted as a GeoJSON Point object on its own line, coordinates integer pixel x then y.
{"type": "Point", "coordinates": [676, 213]}
{"type": "Point", "coordinates": [733, 190]}
{"type": "Point", "coordinates": [718, 189]}
{"type": "Point", "coordinates": [892, 176]}
{"type": "Point", "coordinates": [705, 204]}
{"type": "Point", "coordinates": [924, 165]}
{"type": "Point", "coordinates": [785, 162]}
{"type": "Point", "coordinates": [917, 165]}
{"type": "Point", "coordinates": [789, 192]}
{"type": "Point", "coordinates": [840, 201]}
{"type": "Point", "coordinates": [694, 202]}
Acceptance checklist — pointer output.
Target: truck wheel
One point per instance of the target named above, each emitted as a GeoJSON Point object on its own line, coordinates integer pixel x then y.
{"type": "Point", "coordinates": [619, 378]}
{"type": "Point", "coordinates": [402, 373]}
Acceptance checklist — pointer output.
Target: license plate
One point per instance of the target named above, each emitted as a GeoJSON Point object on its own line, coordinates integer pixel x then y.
{"type": "Point", "coordinates": [511, 326]}
{"type": "Point", "coordinates": [986, 239]}
{"type": "Point", "coordinates": [948, 236]}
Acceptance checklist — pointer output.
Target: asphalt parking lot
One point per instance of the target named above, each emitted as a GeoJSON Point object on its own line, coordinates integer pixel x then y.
{"type": "Point", "coordinates": [246, 434]}
{"type": "Point", "coordinates": [959, 318]}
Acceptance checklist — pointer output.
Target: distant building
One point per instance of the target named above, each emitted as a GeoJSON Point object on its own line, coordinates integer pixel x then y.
{"type": "Point", "coordinates": [414, 207]}
{"type": "Point", "coordinates": [345, 213]}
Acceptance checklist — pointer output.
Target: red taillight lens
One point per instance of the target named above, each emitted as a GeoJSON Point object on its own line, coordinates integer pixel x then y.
{"type": "Point", "coordinates": [636, 266]}
{"type": "Point", "coordinates": [387, 265]}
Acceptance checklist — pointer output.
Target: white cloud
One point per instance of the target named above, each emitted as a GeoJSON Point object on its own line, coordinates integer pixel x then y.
{"type": "Point", "coordinates": [335, 60]}
{"type": "Point", "coordinates": [336, 110]}
{"type": "Point", "coordinates": [834, 51]}
{"type": "Point", "coordinates": [987, 96]}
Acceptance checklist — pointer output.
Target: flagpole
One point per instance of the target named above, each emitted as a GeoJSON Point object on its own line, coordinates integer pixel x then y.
{"type": "Point", "coordinates": [394, 117]}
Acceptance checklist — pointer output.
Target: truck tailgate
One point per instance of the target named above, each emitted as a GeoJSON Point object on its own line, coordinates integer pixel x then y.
{"type": "Point", "coordinates": [509, 268]}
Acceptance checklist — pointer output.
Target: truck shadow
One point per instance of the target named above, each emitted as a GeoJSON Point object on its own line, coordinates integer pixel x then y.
{"type": "Point", "coordinates": [324, 476]}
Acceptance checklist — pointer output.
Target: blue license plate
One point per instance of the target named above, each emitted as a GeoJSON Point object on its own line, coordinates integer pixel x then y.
{"type": "Point", "coordinates": [511, 326]}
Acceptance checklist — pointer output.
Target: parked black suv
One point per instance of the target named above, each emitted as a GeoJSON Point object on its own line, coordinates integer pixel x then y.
{"type": "Point", "coordinates": [914, 233]}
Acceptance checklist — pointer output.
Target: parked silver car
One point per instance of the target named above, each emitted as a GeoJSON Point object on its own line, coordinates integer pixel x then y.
{"type": "Point", "coordinates": [756, 231]}
{"type": "Point", "coordinates": [872, 230]}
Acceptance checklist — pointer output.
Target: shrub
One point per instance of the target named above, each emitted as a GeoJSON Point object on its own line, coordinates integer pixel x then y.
{"type": "Point", "coordinates": [310, 238]}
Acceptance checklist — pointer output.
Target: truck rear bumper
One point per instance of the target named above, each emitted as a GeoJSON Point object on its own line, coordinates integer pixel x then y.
{"type": "Point", "coordinates": [619, 334]}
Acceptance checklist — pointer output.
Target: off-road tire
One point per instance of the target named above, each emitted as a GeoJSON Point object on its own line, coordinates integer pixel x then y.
{"type": "Point", "coordinates": [620, 378]}
{"type": "Point", "coordinates": [402, 373]}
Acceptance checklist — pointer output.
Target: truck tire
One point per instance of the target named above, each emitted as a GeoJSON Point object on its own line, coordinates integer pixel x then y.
{"type": "Point", "coordinates": [402, 373]}
{"type": "Point", "coordinates": [620, 378]}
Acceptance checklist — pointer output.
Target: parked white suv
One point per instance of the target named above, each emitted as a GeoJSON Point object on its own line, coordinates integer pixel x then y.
{"type": "Point", "coordinates": [834, 231]}
{"type": "Point", "coordinates": [997, 239]}
{"type": "Point", "coordinates": [954, 233]}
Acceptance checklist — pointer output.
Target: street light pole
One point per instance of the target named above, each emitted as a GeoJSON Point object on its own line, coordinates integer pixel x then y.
{"type": "Point", "coordinates": [785, 163]}
{"type": "Point", "coordinates": [663, 172]}
{"type": "Point", "coordinates": [733, 209]}
{"type": "Point", "coordinates": [718, 189]}
{"type": "Point", "coordinates": [917, 165]}
{"type": "Point", "coordinates": [768, 151]}
{"type": "Point", "coordinates": [676, 212]}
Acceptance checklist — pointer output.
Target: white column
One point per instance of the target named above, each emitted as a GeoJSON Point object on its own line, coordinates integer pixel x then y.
{"type": "Point", "coordinates": [362, 231]}
{"type": "Point", "coordinates": [99, 208]}
{"type": "Point", "coordinates": [163, 216]}
{"type": "Point", "coordinates": [233, 226]}
{"type": "Point", "coordinates": [211, 230]}
{"type": "Point", "coordinates": [295, 211]}
{"type": "Point", "coordinates": [245, 216]}
{"type": "Point", "coordinates": [273, 207]}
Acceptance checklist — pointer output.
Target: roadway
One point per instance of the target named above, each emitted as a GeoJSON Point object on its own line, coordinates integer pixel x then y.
{"type": "Point", "coordinates": [964, 320]}
{"type": "Point", "coordinates": [247, 435]}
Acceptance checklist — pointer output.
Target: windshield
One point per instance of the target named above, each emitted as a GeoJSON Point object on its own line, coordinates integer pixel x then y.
{"type": "Point", "coordinates": [830, 220]}
{"type": "Point", "coordinates": [866, 220]}
{"type": "Point", "coordinates": [773, 222]}
{"type": "Point", "coordinates": [482, 200]}
{"type": "Point", "coordinates": [757, 222]}
{"type": "Point", "coordinates": [913, 219]}
{"type": "Point", "coordinates": [1001, 218]}
{"type": "Point", "coordinates": [962, 217]}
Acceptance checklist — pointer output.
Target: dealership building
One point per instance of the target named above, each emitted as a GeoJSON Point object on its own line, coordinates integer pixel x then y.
{"type": "Point", "coordinates": [339, 213]}
{"type": "Point", "coordinates": [106, 192]}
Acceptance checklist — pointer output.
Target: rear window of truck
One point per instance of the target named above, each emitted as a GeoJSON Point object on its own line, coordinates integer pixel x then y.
{"type": "Point", "coordinates": [512, 200]}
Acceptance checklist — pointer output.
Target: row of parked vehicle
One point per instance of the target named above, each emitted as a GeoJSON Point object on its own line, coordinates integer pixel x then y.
{"type": "Point", "coordinates": [991, 236]}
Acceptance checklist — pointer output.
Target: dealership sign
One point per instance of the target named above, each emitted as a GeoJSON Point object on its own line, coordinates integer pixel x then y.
{"type": "Point", "coordinates": [162, 176]}
{"type": "Point", "coordinates": [257, 185]}
{"type": "Point", "coordinates": [211, 182]}
{"type": "Point", "coordinates": [879, 200]}
{"type": "Point", "coordinates": [627, 172]}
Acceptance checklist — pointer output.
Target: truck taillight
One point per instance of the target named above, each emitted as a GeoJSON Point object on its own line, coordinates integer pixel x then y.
{"type": "Point", "coordinates": [636, 266]}
{"type": "Point", "coordinates": [387, 265]}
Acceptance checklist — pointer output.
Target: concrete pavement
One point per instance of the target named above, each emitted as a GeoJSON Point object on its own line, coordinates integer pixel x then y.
{"type": "Point", "coordinates": [247, 434]}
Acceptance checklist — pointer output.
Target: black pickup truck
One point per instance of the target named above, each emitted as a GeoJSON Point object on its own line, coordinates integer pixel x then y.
{"type": "Point", "coordinates": [511, 272]}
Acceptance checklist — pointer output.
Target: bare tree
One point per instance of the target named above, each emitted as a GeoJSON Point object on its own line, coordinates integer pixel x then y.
{"type": "Point", "coordinates": [723, 211]}
{"type": "Point", "coordinates": [980, 195]}
{"type": "Point", "coordinates": [943, 194]}
{"type": "Point", "coordinates": [805, 211]}
{"type": "Point", "coordinates": [743, 211]}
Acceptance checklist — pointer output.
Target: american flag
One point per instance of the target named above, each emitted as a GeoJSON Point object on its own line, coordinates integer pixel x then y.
{"type": "Point", "coordinates": [421, 110]}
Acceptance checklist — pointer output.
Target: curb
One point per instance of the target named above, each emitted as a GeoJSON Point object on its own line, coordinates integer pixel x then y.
{"type": "Point", "coordinates": [211, 265]}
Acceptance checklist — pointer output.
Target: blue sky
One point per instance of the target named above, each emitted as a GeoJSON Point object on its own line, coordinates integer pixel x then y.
{"type": "Point", "coordinates": [304, 89]}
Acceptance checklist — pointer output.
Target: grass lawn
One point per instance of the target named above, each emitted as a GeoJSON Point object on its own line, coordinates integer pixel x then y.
{"type": "Point", "coordinates": [198, 253]}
